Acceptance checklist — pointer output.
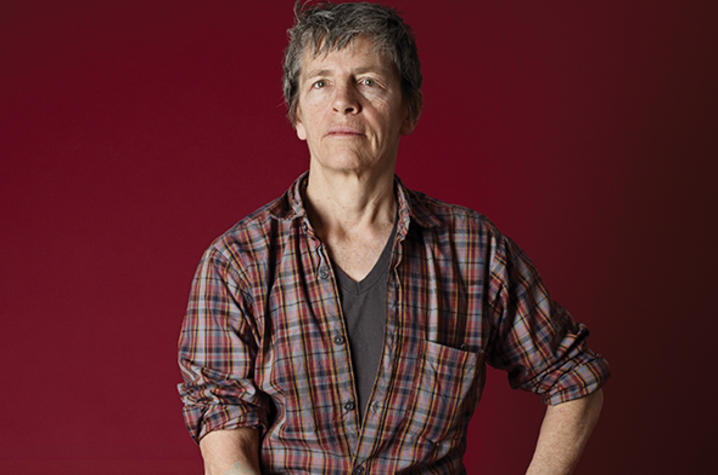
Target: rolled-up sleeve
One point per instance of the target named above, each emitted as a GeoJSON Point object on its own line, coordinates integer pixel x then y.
{"type": "Point", "coordinates": [533, 338]}
{"type": "Point", "coordinates": [217, 347]}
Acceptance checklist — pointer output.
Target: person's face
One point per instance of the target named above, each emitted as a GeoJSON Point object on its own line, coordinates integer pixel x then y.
{"type": "Point", "coordinates": [350, 108]}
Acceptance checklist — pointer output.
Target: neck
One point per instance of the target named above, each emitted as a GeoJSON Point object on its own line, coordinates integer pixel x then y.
{"type": "Point", "coordinates": [343, 204]}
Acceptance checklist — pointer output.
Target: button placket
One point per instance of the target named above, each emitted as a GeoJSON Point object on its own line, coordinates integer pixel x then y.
{"type": "Point", "coordinates": [345, 385]}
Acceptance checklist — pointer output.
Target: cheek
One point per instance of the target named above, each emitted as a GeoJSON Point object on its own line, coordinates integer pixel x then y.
{"type": "Point", "coordinates": [310, 120]}
{"type": "Point", "coordinates": [314, 99]}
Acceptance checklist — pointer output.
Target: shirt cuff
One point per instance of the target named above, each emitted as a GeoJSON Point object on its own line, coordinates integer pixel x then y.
{"type": "Point", "coordinates": [580, 380]}
{"type": "Point", "coordinates": [201, 420]}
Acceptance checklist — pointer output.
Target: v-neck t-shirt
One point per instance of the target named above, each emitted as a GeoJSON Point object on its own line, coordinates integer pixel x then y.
{"type": "Point", "coordinates": [364, 308]}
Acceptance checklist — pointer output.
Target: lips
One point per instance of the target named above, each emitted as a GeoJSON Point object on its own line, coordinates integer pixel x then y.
{"type": "Point", "coordinates": [345, 132]}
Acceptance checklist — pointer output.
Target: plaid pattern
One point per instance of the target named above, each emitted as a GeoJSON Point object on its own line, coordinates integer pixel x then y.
{"type": "Point", "coordinates": [264, 342]}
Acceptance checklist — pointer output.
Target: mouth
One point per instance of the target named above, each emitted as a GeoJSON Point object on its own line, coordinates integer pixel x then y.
{"type": "Point", "coordinates": [344, 132]}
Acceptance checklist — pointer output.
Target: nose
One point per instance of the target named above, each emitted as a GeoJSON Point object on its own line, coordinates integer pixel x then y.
{"type": "Point", "coordinates": [346, 99]}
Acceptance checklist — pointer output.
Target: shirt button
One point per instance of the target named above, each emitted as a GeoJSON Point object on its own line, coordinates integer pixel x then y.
{"type": "Point", "coordinates": [323, 274]}
{"type": "Point", "coordinates": [339, 339]}
{"type": "Point", "coordinates": [349, 405]}
{"type": "Point", "coordinates": [358, 470]}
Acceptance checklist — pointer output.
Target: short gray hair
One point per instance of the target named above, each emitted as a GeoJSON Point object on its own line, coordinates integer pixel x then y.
{"type": "Point", "coordinates": [327, 26]}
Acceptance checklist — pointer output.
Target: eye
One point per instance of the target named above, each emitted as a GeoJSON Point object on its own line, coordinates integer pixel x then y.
{"type": "Point", "coordinates": [367, 82]}
{"type": "Point", "coordinates": [319, 84]}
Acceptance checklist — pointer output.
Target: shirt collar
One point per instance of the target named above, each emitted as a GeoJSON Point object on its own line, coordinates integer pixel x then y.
{"type": "Point", "coordinates": [411, 205]}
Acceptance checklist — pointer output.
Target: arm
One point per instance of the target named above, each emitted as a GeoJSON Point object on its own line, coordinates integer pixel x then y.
{"type": "Point", "coordinates": [544, 351]}
{"type": "Point", "coordinates": [231, 452]}
{"type": "Point", "coordinates": [217, 351]}
{"type": "Point", "coordinates": [564, 433]}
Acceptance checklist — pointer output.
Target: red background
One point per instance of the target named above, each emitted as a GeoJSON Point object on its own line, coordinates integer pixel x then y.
{"type": "Point", "coordinates": [133, 133]}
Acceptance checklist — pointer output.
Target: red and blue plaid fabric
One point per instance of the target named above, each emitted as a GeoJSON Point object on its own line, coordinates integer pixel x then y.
{"type": "Point", "coordinates": [264, 342]}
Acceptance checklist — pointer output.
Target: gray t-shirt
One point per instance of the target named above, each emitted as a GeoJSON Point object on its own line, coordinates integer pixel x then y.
{"type": "Point", "coordinates": [364, 308]}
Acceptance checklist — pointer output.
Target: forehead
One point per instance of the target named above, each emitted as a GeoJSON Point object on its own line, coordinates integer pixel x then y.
{"type": "Point", "coordinates": [359, 53]}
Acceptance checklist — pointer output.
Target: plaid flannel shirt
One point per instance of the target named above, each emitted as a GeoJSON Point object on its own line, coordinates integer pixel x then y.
{"type": "Point", "coordinates": [264, 341]}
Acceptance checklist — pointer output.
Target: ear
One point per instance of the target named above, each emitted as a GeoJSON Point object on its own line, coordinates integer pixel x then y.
{"type": "Point", "coordinates": [298, 125]}
{"type": "Point", "coordinates": [412, 116]}
{"type": "Point", "coordinates": [301, 131]}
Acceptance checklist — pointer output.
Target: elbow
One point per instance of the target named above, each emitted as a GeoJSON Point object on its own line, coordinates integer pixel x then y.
{"type": "Point", "coordinates": [593, 405]}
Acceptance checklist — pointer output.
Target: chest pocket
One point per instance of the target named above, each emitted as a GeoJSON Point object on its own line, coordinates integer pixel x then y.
{"type": "Point", "coordinates": [443, 396]}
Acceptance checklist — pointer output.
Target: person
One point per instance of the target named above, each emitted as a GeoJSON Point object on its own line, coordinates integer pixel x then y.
{"type": "Point", "coordinates": [345, 327]}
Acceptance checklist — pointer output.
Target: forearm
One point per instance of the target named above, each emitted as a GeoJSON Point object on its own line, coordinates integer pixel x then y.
{"type": "Point", "coordinates": [231, 452]}
{"type": "Point", "coordinates": [564, 432]}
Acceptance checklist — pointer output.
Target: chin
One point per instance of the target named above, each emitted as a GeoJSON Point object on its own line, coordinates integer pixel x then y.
{"type": "Point", "coordinates": [344, 161]}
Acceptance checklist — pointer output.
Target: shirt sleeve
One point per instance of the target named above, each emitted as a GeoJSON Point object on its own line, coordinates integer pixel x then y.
{"type": "Point", "coordinates": [533, 338]}
{"type": "Point", "coordinates": [217, 349]}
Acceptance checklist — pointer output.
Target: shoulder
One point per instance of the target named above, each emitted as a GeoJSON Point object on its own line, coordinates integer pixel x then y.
{"type": "Point", "coordinates": [449, 217]}
{"type": "Point", "coordinates": [243, 248]}
{"type": "Point", "coordinates": [463, 232]}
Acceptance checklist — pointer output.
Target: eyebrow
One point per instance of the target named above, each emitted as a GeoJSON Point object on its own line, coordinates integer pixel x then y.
{"type": "Point", "coordinates": [328, 72]}
{"type": "Point", "coordinates": [318, 72]}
